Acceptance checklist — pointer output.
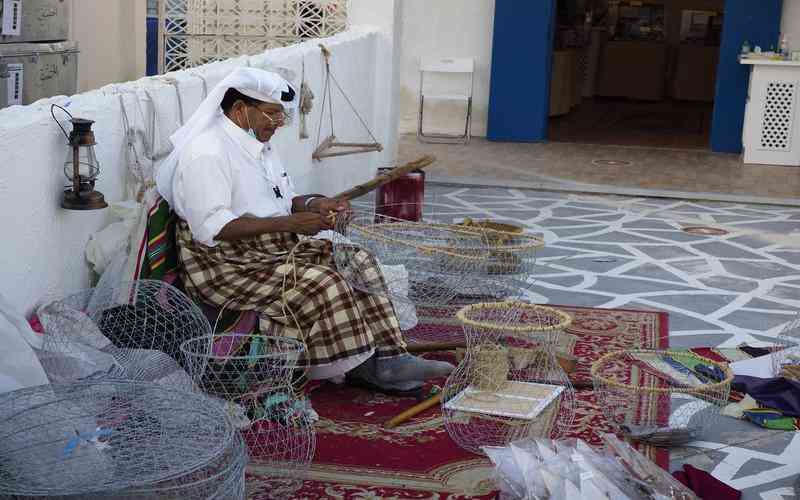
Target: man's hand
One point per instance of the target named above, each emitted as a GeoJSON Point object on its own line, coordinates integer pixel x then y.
{"type": "Point", "coordinates": [325, 206]}
{"type": "Point", "coordinates": [308, 223]}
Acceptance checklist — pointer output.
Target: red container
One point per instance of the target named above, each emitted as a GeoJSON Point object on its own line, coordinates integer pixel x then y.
{"type": "Point", "coordinates": [402, 198]}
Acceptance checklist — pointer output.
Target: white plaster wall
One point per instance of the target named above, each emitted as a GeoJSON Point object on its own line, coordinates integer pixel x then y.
{"type": "Point", "coordinates": [445, 28]}
{"type": "Point", "coordinates": [111, 35]}
{"type": "Point", "coordinates": [43, 250]}
{"type": "Point", "coordinates": [790, 22]}
{"type": "Point", "coordinates": [385, 15]}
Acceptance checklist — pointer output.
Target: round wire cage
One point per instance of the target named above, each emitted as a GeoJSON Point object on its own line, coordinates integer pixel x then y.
{"type": "Point", "coordinates": [786, 352]}
{"type": "Point", "coordinates": [438, 259]}
{"type": "Point", "coordinates": [254, 374]}
{"type": "Point", "coordinates": [510, 385]}
{"type": "Point", "coordinates": [662, 397]}
{"type": "Point", "coordinates": [438, 322]}
{"type": "Point", "coordinates": [117, 439]}
{"type": "Point", "coordinates": [508, 251]}
{"type": "Point", "coordinates": [131, 331]}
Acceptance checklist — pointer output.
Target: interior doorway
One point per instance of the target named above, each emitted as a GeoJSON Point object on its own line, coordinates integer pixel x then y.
{"type": "Point", "coordinates": [635, 72]}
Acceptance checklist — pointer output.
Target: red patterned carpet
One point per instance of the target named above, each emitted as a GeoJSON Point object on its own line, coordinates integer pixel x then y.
{"type": "Point", "coordinates": [357, 458]}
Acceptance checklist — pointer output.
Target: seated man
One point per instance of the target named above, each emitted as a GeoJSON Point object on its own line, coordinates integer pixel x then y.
{"type": "Point", "coordinates": [239, 247]}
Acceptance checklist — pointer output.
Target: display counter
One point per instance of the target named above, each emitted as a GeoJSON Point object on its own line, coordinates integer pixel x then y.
{"type": "Point", "coordinates": [771, 132]}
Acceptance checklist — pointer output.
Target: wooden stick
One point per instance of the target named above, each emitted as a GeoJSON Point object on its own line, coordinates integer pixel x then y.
{"type": "Point", "coordinates": [322, 147]}
{"type": "Point", "coordinates": [328, 154]}
{"type": "Point", "coordinates": [380, 180]}
{"type": "Point", "coordinates": [435, 346]}
{"type": "Point", "coordinates": [414, 411]}
{"type": "Point", "coordinates": [356, 145]}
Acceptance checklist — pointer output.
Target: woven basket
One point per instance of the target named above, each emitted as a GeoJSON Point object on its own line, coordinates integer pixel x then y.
{"type": "Point", "coordinates": [650, 399]}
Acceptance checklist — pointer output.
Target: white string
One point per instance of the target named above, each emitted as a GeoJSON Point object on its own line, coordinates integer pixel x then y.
{"type": "Point", "coordinates": [327, 97]}
{"type": "Point", "coordinates": [363, 123]}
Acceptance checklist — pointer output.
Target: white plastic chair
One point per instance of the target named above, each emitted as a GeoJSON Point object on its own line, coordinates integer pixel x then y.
{"type": "Point", "coordinates": [466, 66]}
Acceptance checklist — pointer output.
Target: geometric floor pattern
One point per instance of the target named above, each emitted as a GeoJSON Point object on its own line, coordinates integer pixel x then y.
{"type": "Point", "coordinates": [719, 289]}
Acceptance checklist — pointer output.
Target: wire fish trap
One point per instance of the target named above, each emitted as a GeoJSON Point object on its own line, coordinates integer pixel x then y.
{"type": "Point", "coordinates": [118, 439]}
{"type": "Point", "coordinates": [510, 385]}
{"type": "Point", "coordinates": [436, 258]}
{"type": "Point", "coordinates": [786, 351]}
{"type": "Point", "coordinates": [508, 249]}
{"type": "Point", "coordinates": [664, 398]}
{"type": "Point", "coordinates": [131, 331]}
{"type": "Point", "coordinates": [253, 373]}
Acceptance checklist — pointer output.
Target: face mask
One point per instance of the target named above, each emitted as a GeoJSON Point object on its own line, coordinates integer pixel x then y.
{"type": "Point", "coordinates": [250, 131]}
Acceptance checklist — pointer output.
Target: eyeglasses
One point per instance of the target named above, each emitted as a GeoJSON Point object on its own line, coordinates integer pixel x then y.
{"type": "Point", "coordinates": [277, 117]}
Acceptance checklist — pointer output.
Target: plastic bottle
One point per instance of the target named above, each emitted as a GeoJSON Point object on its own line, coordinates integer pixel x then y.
{"type": "Point", "coordinates": [784, 45]}
{"type": "Point", "coordinates": [746, 48]}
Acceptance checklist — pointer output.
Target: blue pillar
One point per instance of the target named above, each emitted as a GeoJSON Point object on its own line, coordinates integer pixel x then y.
{"type": "Point", "coordinates": [760, 23]}
{"type": "Point", "coordinates": [152, 46]}
{"type": "Point", "coordinates": [522, 53]}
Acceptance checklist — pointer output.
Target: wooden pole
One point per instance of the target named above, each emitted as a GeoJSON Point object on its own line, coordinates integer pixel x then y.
{"type": "Point", "coordinates": [435, 346]}
{"type": "Point", "coordinates": [414, 411]}
{"type": "Point", "coordinates": [380, 180]}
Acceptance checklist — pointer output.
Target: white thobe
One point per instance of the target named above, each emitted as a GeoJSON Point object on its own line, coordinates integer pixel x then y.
{"type": "Point", "coordinates": [224, 174]}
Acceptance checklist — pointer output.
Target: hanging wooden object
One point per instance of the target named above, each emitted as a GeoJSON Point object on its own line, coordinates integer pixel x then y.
{"type": "Point", "coordinates": [331, 147]}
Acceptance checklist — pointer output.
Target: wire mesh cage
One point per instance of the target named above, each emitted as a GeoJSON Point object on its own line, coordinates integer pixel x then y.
{"type": "Point", "coordinates": [510, 385]}
{"type": "Point", "coordinates": [508, 252]}
{"type": "Point", "coordinates": [786, 352]}
{"type": "Point", "coordinates": [427, 251]}
{"type": "Point", "coordinates": [254, 374]}
{"type": "Point", "coordinates": [438, 259]}
{"type": "Point", "coordinates": [662, 397]}
{"type": "Point", "coordinates": [131, 331]}
{"type": "Point", "coordinates": [438, 322]}
{"type": "Point", "coordinates": [117, 439]}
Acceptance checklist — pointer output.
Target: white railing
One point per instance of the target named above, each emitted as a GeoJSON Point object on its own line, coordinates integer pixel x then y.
{"type": "Point", "coordinates": [195, 32]}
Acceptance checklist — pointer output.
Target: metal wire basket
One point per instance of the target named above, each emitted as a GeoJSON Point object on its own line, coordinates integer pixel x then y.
{"type": "Point", "coordinates": [438, 322]}
{"type": "Point", "coordinates": [439, 259]}
{"type": "Point", "coordinates": [508, 250]}
{"type": "Point", "coordinates": [510, 385]}
{"type": "Point", "coordinates": [661, 397]}
{"type": "Point", "coordinates": [131, 331]}
{"type": "Point", "coordinates": [429, 253]}
{"type": "Point", "coordinates": [786, 352]}
{"type": "Point", "coordinates": [117, 439]}
{"type": "Point", "coordinates": [254, 374]}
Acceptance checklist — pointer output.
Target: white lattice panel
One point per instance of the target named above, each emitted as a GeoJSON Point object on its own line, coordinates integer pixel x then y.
{"type": "Point", "coordinates": [778, 119]}
{"type": "Point", "coordinates": [199, 31]}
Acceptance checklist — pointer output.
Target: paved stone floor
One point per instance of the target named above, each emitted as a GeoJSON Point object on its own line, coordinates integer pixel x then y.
{"type": "Point", "coordinates": [633, 252]}
{"type": "Point", "coordinates": [624, 170]}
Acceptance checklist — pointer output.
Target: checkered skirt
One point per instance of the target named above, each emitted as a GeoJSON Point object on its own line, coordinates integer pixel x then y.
{"type": "Point", "coordinates": [299, 294]}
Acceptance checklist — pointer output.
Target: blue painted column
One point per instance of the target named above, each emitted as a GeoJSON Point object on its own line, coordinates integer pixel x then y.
{"type": "Point", "coordinates": [760, 23]}
{"type": "Point", "coordinates": [522, 53]}
{"type": "Point", "coordinates": [152, 46]}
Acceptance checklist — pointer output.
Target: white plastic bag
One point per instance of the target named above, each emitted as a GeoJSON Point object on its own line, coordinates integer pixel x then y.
{"type": "Point", "coordinates": [19, 366]}
{"type": "Point", "coordinates": [113, 240]}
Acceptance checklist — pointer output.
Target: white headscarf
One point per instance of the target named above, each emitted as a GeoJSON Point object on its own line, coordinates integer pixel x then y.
{"type": "Point", "coordinates": [255, 83]}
